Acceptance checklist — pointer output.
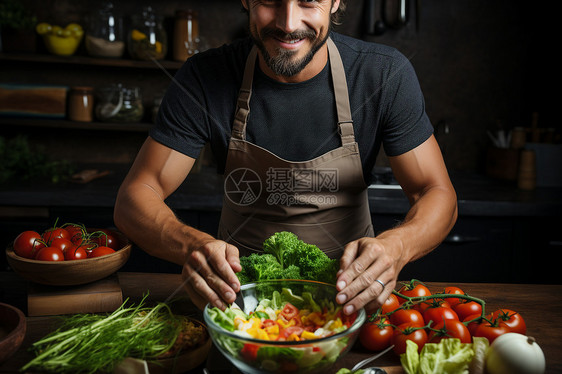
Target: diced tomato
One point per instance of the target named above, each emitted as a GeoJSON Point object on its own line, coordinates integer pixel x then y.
{"type": "Point", "coordinates": [287, 332]}
{"type": "Point", "coordinates": [289, 311]}
{"type": "Point", "coordinates": [268, 323]}
{"type": "Point", "coordinates": [250, 351]}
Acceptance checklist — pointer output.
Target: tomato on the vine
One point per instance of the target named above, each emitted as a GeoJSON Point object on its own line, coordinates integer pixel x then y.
{"type": "Point", "coordinates": [454, 291]}
{"type": "Point", "coordinates": [49, 254]}
{"type": "Point", "coordinates": [75, 253]}
{"type": "Point", "coordinates": [408, 332]}
{"type": "Point", "coordinates": [476, 321]}
{"type": "Point", "coordinates": [391, 304]}
{"type": "Point", "coordinates": [76, 233]}
{"type": "Point", "coordinates": [100, 251]}
{"type": "Point", "coordinates": [413, 289]}
{"type": "Point", "coordinates": [467, 308]}
{"type": "Point", "coordinates": [53, 233]}
{"type": "Point", "coordinates": [411, 316]}
{"type": "Point", "coordinates": [449, 329]}
{"type": "Point", "coordinates": [62, 244]}
{"type": "Point", "coordinates": [431, 303]}
{"type": "Point", "coordinates": [106, 238]}
{"type": "Point", "coordinates": [376, 335]}
{"type": "Point", "coordinates": [27, 244]}
{"type": "Point", "coordinates": [512, 319]}
{"type": "Point", "coordinates": [438, 314]}
{"type": "Point", "coordinates": [491, 330]}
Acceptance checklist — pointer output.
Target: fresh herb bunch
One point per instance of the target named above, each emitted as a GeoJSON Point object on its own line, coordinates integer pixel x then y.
{"type": "Point", "coordinates": [89, 343]}
{"type": "Point", "coordinates": [287, 257]}
{"type": "Point", "coordinates": [22, 161]}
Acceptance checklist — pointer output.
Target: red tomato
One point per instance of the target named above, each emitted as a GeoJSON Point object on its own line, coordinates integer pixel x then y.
{"type": "Point", "coordinates": [376, 335]}
{"type": "Point", "coordinates": [491, 330]}
{"type": "Point", "coordinates": [454, 291]}
{"type": "Point", "coordinates": [27, 244]}
{"type": "Point", "coordinates": [411, 316]}
{"type": "Point", "coordinates": [407, 332]}
{"type": "Point", "coordinates": [101, 251]}
{"type": "Point", "coordinates": [438, 314]}
{"type": "Point", "coordinates": [49, 254]}
{"type": "Point", "coordinates": [472, 326]}
{"type": "Point", "coordinates": [62, 244]}
{"type": "Point", "coordinates": [105, 238]}
{"type": "Point", "coordinates": [449, 329]}
{"type": "Point", "coordinates": [288, 331]}
{"type": "Point", "coordinates": [53, 233]}
{"type": "Point", "coordinates": [467, 308]}
{"type": "Point", "coordinates": [75, 253]}
{"type": "Point", "coordinates": [289, 311]}
{"type": "Point", "coordinates": [431, 303]}
{"type": "Point", "coordinates": [413, 290]}
{"type": "Point", "coordinates": [390, 304]}
{"type": "Point", "coordinates": [250, 351]}
{"type": "Point", "coordinates": [512, 319]}
{"type": "Point", "coordinates": [76, 233]}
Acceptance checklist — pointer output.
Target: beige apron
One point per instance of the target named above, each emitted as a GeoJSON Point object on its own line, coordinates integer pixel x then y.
{"type": "Point", "coordinates": [323, 200]}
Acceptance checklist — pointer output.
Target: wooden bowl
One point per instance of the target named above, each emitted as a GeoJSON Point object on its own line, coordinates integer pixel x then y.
{"type": "Point", "coordinates": [71, 273]}
{"type": "Point", "coordinates": [12, 330]}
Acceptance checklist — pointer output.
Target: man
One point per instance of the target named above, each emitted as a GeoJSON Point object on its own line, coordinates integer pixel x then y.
{"type": "Point", "coordinates": [301, 116]}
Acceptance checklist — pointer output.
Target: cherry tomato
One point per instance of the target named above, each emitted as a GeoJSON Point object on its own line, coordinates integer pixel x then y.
{"type": "Point", "coordinates": [449, 329]}
{"type": "Point", "coordinates": [413, 290]}
{"type": "Point", "coordinates": [62, 244]}
{"type": "Point", "coordinates": [454, 291]}
{"type": "Point", "coordinates": [288, 331]}
{"type": "Point", "coordinates": [27, 244]}
{"type": "Point", "coordinates": [467, 308]}
{"type": "Point", "coordinates": [49, 254]}
{"type": "Point", "coordinates": [407, 332]}
{"type": "Point", "coordinates": [100, 251]}
{"type": "Point", "coordinates": [76, 233]}
{"type": "Point", "coordinates": [491, 330]}
{"type": "Point", "coordinates": [411, 316]}
{"type": "Point", "coordinates": [75, 253]}
{"type": "Point", "coordinates": [53, 233]}
{"type": "Point", "coordinates": [512, 319]}
{"type": "Point", "coordinates": [106, 238]}
{"type": "Point", "coordinates": [390, 304]}
{"type": "Point", "coordinates": [431, 303]}
{"type": "Point", "coordinates": [376, 335]}
{"type": "Point", "coordinates": [438, 314]}
{"type": "Point", "coordinates": [472, 326]}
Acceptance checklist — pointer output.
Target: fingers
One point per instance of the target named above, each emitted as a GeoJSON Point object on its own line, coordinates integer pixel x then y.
{"type": "Point", "coordinates": [359, 283]}
{"type": "Point", "coordinates": [210, 276]}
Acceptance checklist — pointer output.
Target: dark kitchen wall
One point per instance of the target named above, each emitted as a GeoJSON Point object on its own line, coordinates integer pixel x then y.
{"type": "Point", "coordinates": [479, 62]}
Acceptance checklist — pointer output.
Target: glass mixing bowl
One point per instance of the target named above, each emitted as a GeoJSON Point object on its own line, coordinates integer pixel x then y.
{"type": "Point", "coordinates": [272, 356]}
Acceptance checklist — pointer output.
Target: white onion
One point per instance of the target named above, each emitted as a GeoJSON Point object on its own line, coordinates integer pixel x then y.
{"type": "Point", "coordinates": [513, 353]}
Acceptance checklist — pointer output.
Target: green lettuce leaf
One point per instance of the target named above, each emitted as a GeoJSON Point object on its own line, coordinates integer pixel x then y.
{"type": "Point", "coordinates": [411, 359]}
{"type": "Point", "coordinates": [449, 356]}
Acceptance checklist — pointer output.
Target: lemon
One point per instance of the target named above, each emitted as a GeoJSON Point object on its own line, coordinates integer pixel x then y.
{"type": "Point", "coordinates": [137, 35]}
{"type": "Point", "coordinates": [43, 28]}
{"type": "Point", "coordinates": [73, 27]}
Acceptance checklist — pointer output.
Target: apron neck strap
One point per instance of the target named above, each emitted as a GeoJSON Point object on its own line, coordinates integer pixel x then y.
{"type": "Point", "coordinates": [345, 124]}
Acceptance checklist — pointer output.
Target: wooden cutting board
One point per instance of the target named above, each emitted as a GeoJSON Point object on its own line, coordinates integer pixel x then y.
{"type": "Point", "coordinates": [101, 296]}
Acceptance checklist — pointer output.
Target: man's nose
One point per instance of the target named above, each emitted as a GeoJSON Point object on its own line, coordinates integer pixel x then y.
{"type": "Point", "coordinates": [288, 16]}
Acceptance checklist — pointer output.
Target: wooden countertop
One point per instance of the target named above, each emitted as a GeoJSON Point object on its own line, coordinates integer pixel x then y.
{"type": "Point", "coordinates": [540, 305]}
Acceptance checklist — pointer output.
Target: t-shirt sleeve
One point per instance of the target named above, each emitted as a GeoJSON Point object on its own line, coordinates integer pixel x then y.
{"type": "Point", "coordinates": [406, 124]}
{"type": "Point", "coordinates": [181, 123]}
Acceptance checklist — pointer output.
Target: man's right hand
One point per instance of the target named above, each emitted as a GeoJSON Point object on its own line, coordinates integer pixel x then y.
{"type": "Point", "coordinates": [209, 274]}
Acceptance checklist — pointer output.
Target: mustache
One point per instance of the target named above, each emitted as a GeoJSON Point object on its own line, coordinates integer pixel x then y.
{"type": "Point", "coordinates": [299, 34]}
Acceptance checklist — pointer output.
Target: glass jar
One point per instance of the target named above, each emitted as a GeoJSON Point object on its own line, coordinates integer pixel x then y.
{"type": "Point", "coordinates": [104, 35]}
{"type": "Point", "coordinates": [81, 104]}
{"type": "Point", "coordinates": [147, 37]}
{"type": "Point", "coordinates": [186, 34]}
{"type": "Point", "coordinates": [117, 103]}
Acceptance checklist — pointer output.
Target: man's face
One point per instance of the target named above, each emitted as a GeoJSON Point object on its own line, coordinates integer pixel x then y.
{"type": "Point", "coordinates": [288, 33]}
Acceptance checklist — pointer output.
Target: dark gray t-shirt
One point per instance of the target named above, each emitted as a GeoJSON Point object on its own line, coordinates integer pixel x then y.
{"type": "Point", "coordinates": [296, 121]}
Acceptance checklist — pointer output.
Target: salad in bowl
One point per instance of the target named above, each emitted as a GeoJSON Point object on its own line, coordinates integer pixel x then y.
{"type": "Point", "coordinates": [280, 326]}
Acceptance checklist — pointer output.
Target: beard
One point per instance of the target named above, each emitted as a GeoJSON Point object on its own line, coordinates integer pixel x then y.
{"type": "Point", "coordinates": [284, 62]}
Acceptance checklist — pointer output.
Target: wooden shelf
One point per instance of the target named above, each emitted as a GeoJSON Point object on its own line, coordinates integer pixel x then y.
{"type": "Point", "coordinates": [91, 61]}
{"type": "Point", "coordinates": [63, 123]}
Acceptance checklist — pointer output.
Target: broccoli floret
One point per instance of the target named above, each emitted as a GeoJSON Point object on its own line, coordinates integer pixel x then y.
{"type": "Point", "coordinates": [269, 270]}
{"type": "Point", "coordinates": [279, 243]}
{"type": "Point", "coordinates": [292, 272]}
{"type": "Point", "coordinates": [313, 263]}
{"type": "Point", "coordinates": [252, 266]}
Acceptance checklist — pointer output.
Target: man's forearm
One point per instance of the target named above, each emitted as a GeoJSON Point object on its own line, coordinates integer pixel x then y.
{"type": "Point", "coordinates": [145, 219]}
{"type": "Point", "coordinates": [427, 223]}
